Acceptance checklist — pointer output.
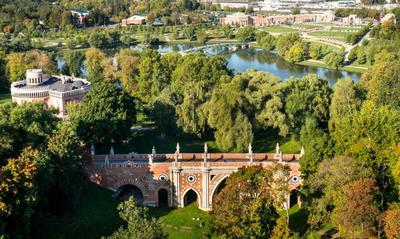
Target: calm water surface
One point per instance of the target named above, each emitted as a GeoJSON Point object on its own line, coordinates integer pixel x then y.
{"type": "Point", "coordinates": [258, 59]}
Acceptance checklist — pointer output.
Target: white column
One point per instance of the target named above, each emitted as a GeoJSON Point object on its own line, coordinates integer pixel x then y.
{"type": "Point", "coordinates": [205, 186]}
{"type": "Point", "coordinates": [176, 173]}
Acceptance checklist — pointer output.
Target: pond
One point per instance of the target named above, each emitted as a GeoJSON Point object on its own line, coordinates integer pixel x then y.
{"type": "Point", "coordinates": [244, 59]}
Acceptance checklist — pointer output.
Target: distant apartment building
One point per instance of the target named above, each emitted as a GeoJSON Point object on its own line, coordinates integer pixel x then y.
{"type": "Point", "coordinates": [81, 16]}
{"type": "Point", "coordinates": [237, 19]}
{"type": "Point", "coordinates": [134, 20]}
{"type": "Point", "coordinates": [352, 20]}
{"type": "Point", "coordinates": [55, 91]}
{"type": "Point", "coordinates": [240, 19]}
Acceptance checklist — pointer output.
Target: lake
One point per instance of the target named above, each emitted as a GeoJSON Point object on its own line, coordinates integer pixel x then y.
{"type": "Point", "coordinates": [244, 59]}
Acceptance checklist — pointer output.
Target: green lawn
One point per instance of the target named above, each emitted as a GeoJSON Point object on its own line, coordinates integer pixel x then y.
{"type": "Point", "coordinates": [278, 29]}
{"type": "Point", "coordinates": [4, 98]}
{"type": "Point", "coordinates": [179, 223]}
{"type": "Point", "coordinates": [330, 34]}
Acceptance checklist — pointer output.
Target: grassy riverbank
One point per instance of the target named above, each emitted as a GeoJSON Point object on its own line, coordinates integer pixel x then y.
{"type": "Point", "coordinates": [349, 68]}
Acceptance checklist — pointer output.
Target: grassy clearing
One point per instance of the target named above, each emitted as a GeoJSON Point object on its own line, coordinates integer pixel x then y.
{"type": "Point", "coordinates": [350, 68]}
{"type": "Point", "coordinates": [96, 216]}
{"type": "Point", "coordinates": [278, 29]}
{"type": "Point", "coordinates": [143, 141]}
{"type": "Point", "coordinates": [5, 98]}
{"type": "Point", "coordinates": [331, 35]}
{"type": "Point", "coordinates": [179, 223]}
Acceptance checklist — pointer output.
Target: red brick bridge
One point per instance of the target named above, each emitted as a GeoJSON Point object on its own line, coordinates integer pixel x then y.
{"type": "Point", "coordinates": [178, 179]}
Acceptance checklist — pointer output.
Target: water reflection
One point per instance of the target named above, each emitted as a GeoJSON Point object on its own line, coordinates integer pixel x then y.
{"type": "Point", "coordinates": [245, 59]}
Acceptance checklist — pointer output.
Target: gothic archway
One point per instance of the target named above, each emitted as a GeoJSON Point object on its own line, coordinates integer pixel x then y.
{"type": "Point", "coordinates": [219, 186]}
{"type": "Point", "coordinates": [294, 197]}
{"type": "Point", "coordinates": [162, 197]}
{"type": "Point", "coordinates": [125, 191]}
{"type": "Point", "coordinates": [191, 196]}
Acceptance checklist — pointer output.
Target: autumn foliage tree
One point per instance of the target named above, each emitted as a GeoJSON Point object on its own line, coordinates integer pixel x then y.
{"type": "Point", "coordinates": [355, 214]}
{"type": "Point", "coordinates": [392, 223]}
{"type": "Point", "coordinates": [18, 193]}
{"type": "Point", "coordinates": [244, 208]}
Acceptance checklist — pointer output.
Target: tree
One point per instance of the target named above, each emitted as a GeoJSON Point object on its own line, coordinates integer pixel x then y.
{"type": "Point", "coordinates": [192, 84]}
{"type": "Point", "coordinates": [148, 84]}
{"type": "Point", "coordinates": [24, 126]}
{"type": "Point", "coordinates": [202, 36]}
{"type": "Point", "coordinates": [266, 41]}
{"type": "Point", "coordinates": [163, 113]}
{"type": "Point", "coordinates": [189, 33]}
{"type": "Point", "coordinates": [73, 63]}
{"type": "Point", "coordinates": [334, 59]}
{"type": "Point", "coordinates": [297, 52]}
{"type": "Point", "coordinates": [355, 215]}
{"type": "Point", "coordinates": [316, 51]}
{"type": "Point", "coordinates": [382, 81]}
{"type": "Point", "coordinates": [353, 54]}
{"type": "Point", "coordinates": [18, 63]}
{"type": "Point", "coordinates": [106, 115]}
{"type": "Point", "coordinates": [326, 186]}
{"type": "Point", "coordinates": [285, 41]}
{"type": "Point", "coordinates": [370, 135]}
{"type": "Point", "coordinates": [244, 208]}
{"type": "Point", "coordinates": [18, 193]}
{"type": "Point", "coordinates": [384, 56]}
{"type": "Point", "coordinates": [188, 4]}
{"type": "Point", "coordinates": [128, 61]}
{"type": "Point", "coordinates": [392, 223]}
{"type": "Point", "coordinates": [344, 101]}
{"type": "Point", "coordinates": [318, 144]}
{"type": "Point", "coordinates": [226, 114]}
{"type": "Point", "coordinates": [228, 31]}
{"type": "Point", "coordinates": [97, 65]}
{"type": "Point", "coordinates": [4, 83]}
{"type": "Point", "coordinates": [64, 169]}
{"type": "Point", "coordinates": [361, 57]}
{"type": "Point", "coordinates": [264, 93]}
{"type": "Point", "coordinates": [246, 34]}
{"type": "Point", "coordinates": [139, 224]}
{"type": "Point", "coordinates": [306, 97]}
{"type": "Point", "coordinates": [281, 230]}
{"type": "Point", "coordinates": [296, 10]}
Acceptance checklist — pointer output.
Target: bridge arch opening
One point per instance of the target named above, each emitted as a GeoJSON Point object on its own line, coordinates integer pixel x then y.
{"type": "Point", "coordinates": [218, 189]}
{"type": "Point", "coordinates": [162, 197]}
{"type": "Point", "coordinates": [190, 197]}
{"type": "Point", "coordinates": [128, 190]}
{"type": "Point", "coordinates": [294, 197]}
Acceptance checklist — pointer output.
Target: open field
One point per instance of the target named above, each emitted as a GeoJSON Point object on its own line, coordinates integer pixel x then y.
{"type": "Point", "coordinates": [179, 223]}
{"type": "Point", "coordinates": [4, 98]}
{"type": "Point", "coordinates": [330, 34]}
{"type": "Point", "coordinates": [277, 29]}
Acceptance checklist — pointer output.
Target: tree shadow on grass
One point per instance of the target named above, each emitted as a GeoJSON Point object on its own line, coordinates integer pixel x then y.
{"type": "Point", "coordinates": [298, 221]}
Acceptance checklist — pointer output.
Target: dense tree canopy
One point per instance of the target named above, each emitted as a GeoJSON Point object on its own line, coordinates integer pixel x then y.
{"type": "Point", "coordinates": [106, 115]}
{"type": "Point", "coordinates": [139, 224]}
{"type": "Point", "coordinates": [244, 208]}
